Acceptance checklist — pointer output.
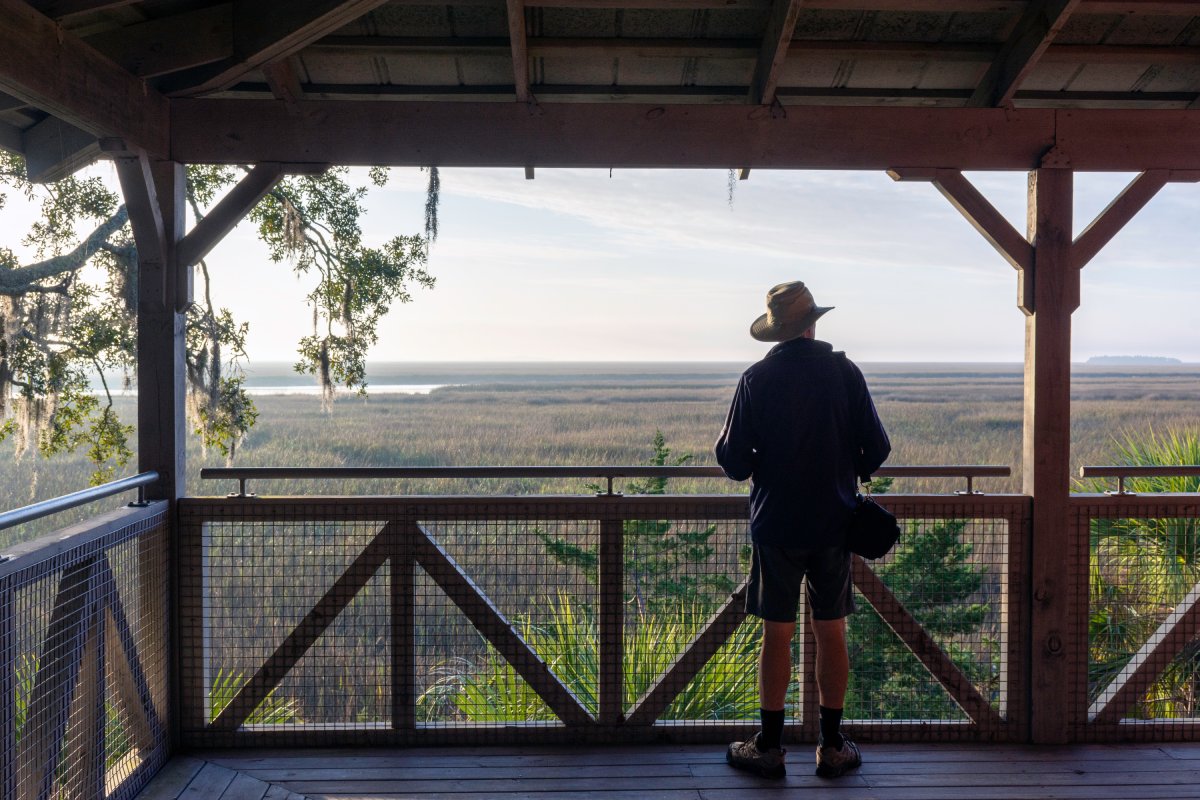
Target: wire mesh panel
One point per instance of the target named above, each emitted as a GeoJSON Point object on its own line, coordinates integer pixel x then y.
{"type": "Point", "coordinates": [936, 638]}
{"type": "Point", "coordinates": [1143, 617]}
{"type": "Point", "coordinates": [487, 620]}
{"type": "Point", "coordinates": [85, 659]}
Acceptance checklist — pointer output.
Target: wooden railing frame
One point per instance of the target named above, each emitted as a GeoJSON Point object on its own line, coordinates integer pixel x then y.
{"type": "Point", "coordinates": [1104, 720]}
{"type": "Point", "coordinates": [87, 638]}
{"type": "Point", "coordinates": [402, 541]}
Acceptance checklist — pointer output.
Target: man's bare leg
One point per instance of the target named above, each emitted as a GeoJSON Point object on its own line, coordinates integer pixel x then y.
{"type": "Point", "coordinates": [775, 664]}
{"type": "Point", "coordinates": [833, 661]}
{"type": "Point", "coordinates": [836, 755]}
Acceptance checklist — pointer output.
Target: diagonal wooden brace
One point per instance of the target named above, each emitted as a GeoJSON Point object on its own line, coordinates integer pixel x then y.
{"type": "Point", "coordinates": [687, 666]}
{"type": "Point", "coordinates": [922, 645]}
{"type": "Point", "coordinates": [488, 620]}
{"type": "Point", "coordinates": [1180, 627]}
{"type": "Point", "coordinates": [305, 634]}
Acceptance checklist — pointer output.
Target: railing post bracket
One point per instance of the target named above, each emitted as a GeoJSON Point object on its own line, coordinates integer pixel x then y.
{"type": "Point", "coordinates": [1120, 492]}
{"type": "Point", "coordinates": [141, 501]}
{"type": "Point", "coordinates": [970, 490]}
{"type": "Point", "coordinates": [241, 492]}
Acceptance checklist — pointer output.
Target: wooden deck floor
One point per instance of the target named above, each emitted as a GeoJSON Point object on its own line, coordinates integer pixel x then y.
{"type": "Point", "coordinates": [890, 772]}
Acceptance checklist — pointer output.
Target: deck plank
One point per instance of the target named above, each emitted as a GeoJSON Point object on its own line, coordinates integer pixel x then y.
{"type": "Point", "coordinates": [246, 787]}
{"type": "Point", "coordinates": [689, 772]}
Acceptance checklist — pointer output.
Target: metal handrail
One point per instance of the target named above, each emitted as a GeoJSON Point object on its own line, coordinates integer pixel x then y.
{"type": "Point", "coordinates": [1121, 472]}
{"type": "Point", "coordinates": [67, 501]}
{"type": "Point", "coordinates": [243, 474]}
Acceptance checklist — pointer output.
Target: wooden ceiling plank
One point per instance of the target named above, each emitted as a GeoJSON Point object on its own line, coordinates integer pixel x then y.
{"type": "Point", "coordinates": [1039, 24]}
{"type": "Point", "coordinates": [777, 39]}
{"type": "Point", "coordinates": [1109, 222]}
{"type": "Point", "coordinates": [227, 213]}
{"type": "Point", "coordinates": [269, 30]}
{"type": "Point", "coordinates": [520, 50]}
{"type": "Point", "coordinates": [10, 138]}
{"type": "Point", "coordinates": [170, 44]}
{"type": "Point", "coordinates": [54, 71]}
{"type": "Point", "coordinates": [53, 150]}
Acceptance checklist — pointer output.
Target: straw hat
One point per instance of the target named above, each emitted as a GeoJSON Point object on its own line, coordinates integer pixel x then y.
{"type": "Point", "coordinates": [791, 311]}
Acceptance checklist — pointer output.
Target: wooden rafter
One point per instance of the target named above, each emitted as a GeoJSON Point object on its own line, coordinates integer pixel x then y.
{"type": "Point", "coordinates": [284, 82]}
{"type": "Point", "coordinates": [922, 645]}
{"type": "Point", "coordinates": [56, 72]}
{"type": "Point", "coordinates": [1132, 199]}
{"type": "Point", "coordinates": [1037, 27]}
{"type": "Point", "coordinates": [519, 50]}
{"type": "Point", "coordinates": [267, 31]}
{"type": "Point", "coordinates": [1180, 627]}
{"type": "Point", "coordinates": [688, 664]}
{"type": "Point", "coordinates": [488, 620]}
{"type": "Point", "coordinates": [776, 41]}
{"type": "Point", "coordinates": [169, 44]}
{"type": "Point", "coordinates": [305, 635]}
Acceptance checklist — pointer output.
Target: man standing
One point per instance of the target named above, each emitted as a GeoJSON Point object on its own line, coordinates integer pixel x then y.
{"type": "Point", "coordinates": [803, 426]}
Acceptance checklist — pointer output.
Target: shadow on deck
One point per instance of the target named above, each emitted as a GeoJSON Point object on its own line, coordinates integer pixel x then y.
{"type": "Point", "coordinates": [890, 772]}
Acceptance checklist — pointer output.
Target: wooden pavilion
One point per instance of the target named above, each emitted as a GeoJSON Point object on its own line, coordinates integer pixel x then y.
{"type": "Point", "coordinates": [924, 89]}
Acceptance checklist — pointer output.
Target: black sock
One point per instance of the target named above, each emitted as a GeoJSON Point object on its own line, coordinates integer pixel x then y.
{"type": "Point", "coordinates": [772, 729]}
{"type": "Point", "coordinates": [831, 723]}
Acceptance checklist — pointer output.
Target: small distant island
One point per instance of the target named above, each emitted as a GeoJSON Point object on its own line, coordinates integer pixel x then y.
{"type": "Point", "coordinates": [1132, 361]}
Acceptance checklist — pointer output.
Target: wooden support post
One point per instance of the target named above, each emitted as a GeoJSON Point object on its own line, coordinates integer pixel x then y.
{"type": "Point", "coordinates": [1055, 567]}
{"type": "Point", "coordinates": [404, 628]}
{"type": "Point", "coordinates": [161, 352]}
{"type": "Point", "coordinates": [612, 622]}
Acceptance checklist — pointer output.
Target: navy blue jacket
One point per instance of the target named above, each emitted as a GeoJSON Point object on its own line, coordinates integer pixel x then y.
{"type": "Point", "coordinates": [802, 424]}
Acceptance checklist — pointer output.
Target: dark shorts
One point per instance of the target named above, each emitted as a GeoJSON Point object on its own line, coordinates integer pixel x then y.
{"type": "Point", "coordinates": [775, 576]}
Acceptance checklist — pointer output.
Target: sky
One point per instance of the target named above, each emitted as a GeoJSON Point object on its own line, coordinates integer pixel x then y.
{"type": "Point", "coordinates": [656, 265]}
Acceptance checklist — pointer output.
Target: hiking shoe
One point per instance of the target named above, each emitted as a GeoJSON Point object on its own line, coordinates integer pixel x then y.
{"type": "Point", "coordinates": [746, 756]}
{"type": "Point", "coordinates": [833, 763]}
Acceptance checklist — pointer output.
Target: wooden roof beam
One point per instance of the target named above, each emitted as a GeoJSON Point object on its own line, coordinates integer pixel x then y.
{"type": "Point", "coordinates": [520, 50]}
{"type": "Point", "coordinates": [54, 71]}
{"type": "Point", "coordinates": [1037, 27]}
{"type": "Point", "coordinates": [777, 39]}
{"type": "Point", "coordinates": [655, 134]}
{"type": "Point", "coordinates": [269, 30]}
{"type": "Point", "coordinates": [57, 9]}
{"type": "Point", "coordinates": [659, 47]}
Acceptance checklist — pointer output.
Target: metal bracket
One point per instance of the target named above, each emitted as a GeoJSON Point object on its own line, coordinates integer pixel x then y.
{"type": "Point", "coordinates": [1120, 492]}
{"type": "Point", "coordinates": [970, 490]}
{"type": "Point", "coordinates": [610, 492]}
{"type": "Point", "coordinates": [241, 492]}
{"type": "Point", "coordinates": [141, 502]}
